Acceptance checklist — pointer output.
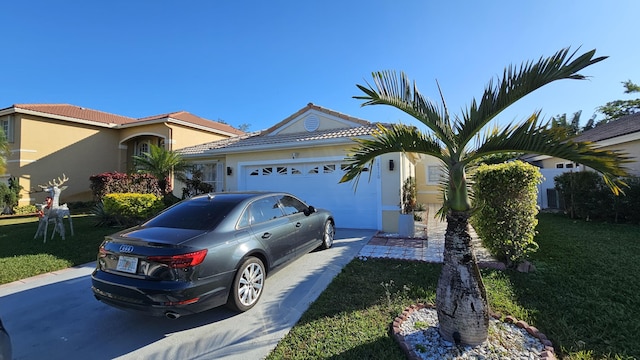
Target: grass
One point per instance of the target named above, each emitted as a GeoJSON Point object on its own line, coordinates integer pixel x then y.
{"type": "Point", "coordinates": [22, 256]}
{"type": "Point", "coordinates": [584, 295]}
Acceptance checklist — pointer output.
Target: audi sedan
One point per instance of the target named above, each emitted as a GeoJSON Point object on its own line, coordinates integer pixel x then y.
{"type": "Point", "coordinates": [207, 251]}
{"type": "Point", "coordinates": [5, 343]}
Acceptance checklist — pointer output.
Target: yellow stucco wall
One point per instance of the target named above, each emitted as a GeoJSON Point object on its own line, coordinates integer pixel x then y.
{"type": "Point", "coordinates": [48, 149]}
{"type": "Point", "coordinates": [184, 136]}
{"type": "Point", "coordinates": [428, 193]}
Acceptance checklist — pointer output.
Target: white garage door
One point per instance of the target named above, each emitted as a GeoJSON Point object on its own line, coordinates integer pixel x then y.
{"type": "Point", "coordinates": [317, 184]}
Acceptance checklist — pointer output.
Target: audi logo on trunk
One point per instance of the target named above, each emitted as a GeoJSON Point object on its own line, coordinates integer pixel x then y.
{"type": "Point", "coordinates": [126, 248]}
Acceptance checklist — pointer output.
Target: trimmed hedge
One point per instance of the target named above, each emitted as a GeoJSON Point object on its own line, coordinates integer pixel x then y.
{"type": "Point", "coordinates": [505, 196]}
{"type": "Point", "coordinates": [586, 196]}
{"type": "Point", "coordinates": [115, 182]}
{"type": "Point", "coordinates": [130, 209]}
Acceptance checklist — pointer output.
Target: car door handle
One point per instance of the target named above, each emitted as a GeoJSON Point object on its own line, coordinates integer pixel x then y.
{"type": "Point", "coordinates": [298, 224]}
{"type": "Point", "coordinates": [266, 235]}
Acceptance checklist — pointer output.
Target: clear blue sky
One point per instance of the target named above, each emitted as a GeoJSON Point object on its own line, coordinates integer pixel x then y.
{"type": "Point", "coordinates": [257, 62]}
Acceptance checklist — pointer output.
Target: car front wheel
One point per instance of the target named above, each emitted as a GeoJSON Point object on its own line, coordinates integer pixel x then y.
{"type": "Point", "coordinates": [327, 236]}
{"type": "Point", "coordinates": [247, 285]}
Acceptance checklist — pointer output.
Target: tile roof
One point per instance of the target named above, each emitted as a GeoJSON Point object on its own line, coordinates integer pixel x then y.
{"type": "Point", "coordinates": [76, 112]}
{"type": "Point", "coordinates": [84, 114]}
{"type": "Point", "coordinates": [193, 119]}
{"type": "Point", "coordinates": [622, 126]}
{"type": "Point", "coordinates": [258, 140]}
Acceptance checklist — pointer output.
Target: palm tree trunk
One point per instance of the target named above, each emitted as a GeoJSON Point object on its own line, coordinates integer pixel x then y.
{"type": "Point", "coordinates": [461, 299]}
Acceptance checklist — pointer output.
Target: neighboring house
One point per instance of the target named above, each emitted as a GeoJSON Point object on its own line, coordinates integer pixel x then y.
{"type": "Point", "coordinates": [304, 154]}
{"type": "Point", "coordinates": [49, 140]}
{"type": "Point", "coordinates": [622, 134]}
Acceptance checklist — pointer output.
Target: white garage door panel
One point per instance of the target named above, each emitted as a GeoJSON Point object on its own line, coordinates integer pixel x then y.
{"type": "Point", "coordinates": [318, 185]}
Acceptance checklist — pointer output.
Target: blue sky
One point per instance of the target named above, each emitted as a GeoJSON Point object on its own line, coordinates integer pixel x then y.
{"type": "Point", "coordinates": [257, 62]}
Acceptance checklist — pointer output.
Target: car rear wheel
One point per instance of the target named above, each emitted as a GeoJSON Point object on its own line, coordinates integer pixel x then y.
{"type": "Point", "coordinates": [327, 236]}
{"type": "Point", "coordinates": [247, 285]}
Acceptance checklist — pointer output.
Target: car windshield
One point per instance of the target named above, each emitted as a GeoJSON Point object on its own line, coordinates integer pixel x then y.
{"type": "Point", "coordinates": [197, 214]}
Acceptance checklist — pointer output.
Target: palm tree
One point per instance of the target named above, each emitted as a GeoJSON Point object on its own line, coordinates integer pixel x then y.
{"type": "Point", "coordinates": [160, 162]}
{"type": "Point", "coordinates": [461, 301]}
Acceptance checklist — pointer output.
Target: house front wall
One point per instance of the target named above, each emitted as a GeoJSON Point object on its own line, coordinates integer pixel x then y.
{"type": "Point", "coordinates": [183, 136]}
{"type": "Point", "coordinates": [428, 173]}
{"type": "Point", "coordinates": [374, 203]}
{"type": "Point", "coordinates": [45, 149]}
{"type": "Point", "coordinates": [313, 120]}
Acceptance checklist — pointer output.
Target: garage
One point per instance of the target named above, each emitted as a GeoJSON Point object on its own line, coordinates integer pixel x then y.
{"type": "Point", "coordinates": [317, 183]}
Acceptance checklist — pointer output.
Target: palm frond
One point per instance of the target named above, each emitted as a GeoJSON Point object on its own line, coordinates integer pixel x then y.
{"type": "Point", "coordinates": [399, 92]}
{"type": "Point", "coordinates": [399, 138]}
{"type": "Point", "coordinates": [517, 83]}
{"type": "Point", "coordinates": [531, 137]}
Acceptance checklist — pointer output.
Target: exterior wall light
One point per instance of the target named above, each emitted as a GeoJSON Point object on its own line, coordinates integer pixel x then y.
{"type": "Point", "coordinates": [229, 170]}
{"type": "Point", "coordinates": [392, 165]}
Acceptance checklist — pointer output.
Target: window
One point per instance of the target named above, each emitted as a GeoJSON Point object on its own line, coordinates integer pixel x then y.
{"type": "Point", "coordinates": [142, 148]}
{"type": "Point", "coordinates": [566, 165]}
{"type": "Point", "coordinates": [7, 125]}
{"type": "Point", "coordinates": [264, 210]}
{"type": "Point", "coordinates": [327, 169]}
{"type": "Point", "coordinates": [292, 205]}
{"type": "Point", "coordinates": [212, 174]}
{"type": "Point", "coordinates": [434, 174]}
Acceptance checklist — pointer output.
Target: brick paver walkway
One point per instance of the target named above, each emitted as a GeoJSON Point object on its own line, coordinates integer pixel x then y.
{"type": "Point", "coordinates": [426, 245]}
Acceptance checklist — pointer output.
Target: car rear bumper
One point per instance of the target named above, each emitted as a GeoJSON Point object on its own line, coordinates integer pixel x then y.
{"type": "Point", "coordinates": [158, 298]}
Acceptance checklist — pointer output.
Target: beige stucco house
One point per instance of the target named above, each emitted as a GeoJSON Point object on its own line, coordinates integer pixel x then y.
{"type": "Point", "coordinates": [49, 140]}
{"type": "Point", "coordinates": [304, 154]}
{"type": "Point", "coordinates": [622, 134]}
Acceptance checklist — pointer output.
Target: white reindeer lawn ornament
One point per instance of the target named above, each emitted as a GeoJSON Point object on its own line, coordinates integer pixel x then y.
{"type": "Point", "coordinates": [53, 211]}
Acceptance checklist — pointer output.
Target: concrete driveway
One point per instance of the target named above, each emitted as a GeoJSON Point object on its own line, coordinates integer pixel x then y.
{"type": "Point", "coordinates": [55, 316]}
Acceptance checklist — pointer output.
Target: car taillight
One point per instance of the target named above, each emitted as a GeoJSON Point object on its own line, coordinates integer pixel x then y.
{"type": "Point", "coordinates": [182, 260]}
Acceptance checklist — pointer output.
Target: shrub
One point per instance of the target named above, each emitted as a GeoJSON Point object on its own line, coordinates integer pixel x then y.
{"type": "Point", "coordinates": [9, 195]}
{"type": "Point", "coordinates": [115, 182]}
{"type": "Point", "coordinates": [586, 196]}
{"type": "Point", "coordinates": [128, 209]}
{"type": "Point", "coordinates": [25, 209]}
{"type": "Point", "coordinates": [506, 199]}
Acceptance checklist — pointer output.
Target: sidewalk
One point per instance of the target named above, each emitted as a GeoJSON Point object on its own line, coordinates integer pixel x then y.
{"type": "Point", "coordinates": [427, 244]}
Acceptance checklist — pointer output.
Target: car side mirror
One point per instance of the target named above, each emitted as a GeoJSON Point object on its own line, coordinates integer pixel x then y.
{"type": "Point", "coordinates": [310, 210]}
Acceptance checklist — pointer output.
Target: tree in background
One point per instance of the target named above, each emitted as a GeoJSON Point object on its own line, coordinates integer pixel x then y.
{"type": "Point", "coordinates": [571, 128]}
{"type": "Point", "coordinates": [160, 163]}
{"type": "Point", "coordinates": [4, 152]}
{"type": "Point", "coordinates": [618, 108]}
{"type": "Point", "coordinates": [461, 300]}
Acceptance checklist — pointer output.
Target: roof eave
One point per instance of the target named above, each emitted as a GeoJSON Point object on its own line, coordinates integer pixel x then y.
{"type": "Point", "coordinates": [279, 146]}
{"type": "Point", "coordinates": [57, 117]}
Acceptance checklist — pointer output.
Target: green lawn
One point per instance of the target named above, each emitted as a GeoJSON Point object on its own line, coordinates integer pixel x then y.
{"type": "Point", "coordinates": [22, 256]}
{"type": "Point", "coordinates": [584, 296]}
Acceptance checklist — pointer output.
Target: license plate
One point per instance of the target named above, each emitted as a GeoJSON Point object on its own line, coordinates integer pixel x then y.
{"type": "Point", "coordinates": [127, 264]}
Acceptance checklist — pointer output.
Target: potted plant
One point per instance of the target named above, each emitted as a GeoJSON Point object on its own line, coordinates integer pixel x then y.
{"type": "Point", "coordinates": [406, 225]}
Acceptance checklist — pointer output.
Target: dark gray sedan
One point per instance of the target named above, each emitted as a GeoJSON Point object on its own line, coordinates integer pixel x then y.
{"type": "Point", "coordinates": [5, 343]}
{"type": "Point", "coordinates": [207, 251]}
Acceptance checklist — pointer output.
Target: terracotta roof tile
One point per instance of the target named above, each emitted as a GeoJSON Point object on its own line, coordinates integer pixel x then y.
{"type": "Point", "coordinates": [76, 112]}
{"type": "Point", "coordinates": [81, 113]}
{"type": "Point", "coordinates": [193, 119]}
